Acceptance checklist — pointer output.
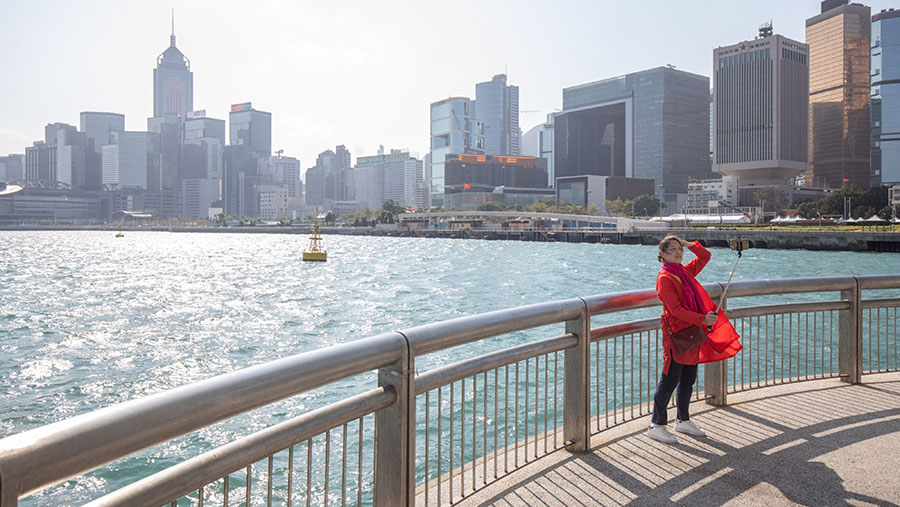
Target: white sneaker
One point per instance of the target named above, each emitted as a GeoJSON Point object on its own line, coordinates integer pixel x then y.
{"type": "Point", "coordinates": [689, 428]}
{"type": "Point", "coordinates": [661, 434]}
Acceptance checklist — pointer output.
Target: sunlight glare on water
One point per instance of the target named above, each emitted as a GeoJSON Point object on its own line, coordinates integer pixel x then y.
{"type": "Point", "coordinates": [88, 320]}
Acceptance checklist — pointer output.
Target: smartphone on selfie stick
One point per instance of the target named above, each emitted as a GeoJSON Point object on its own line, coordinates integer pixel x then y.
{"type": "Point", "coordinates": [738, 245]}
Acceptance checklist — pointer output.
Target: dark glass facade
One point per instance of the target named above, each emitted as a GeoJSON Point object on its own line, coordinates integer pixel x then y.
{"type": "Point", "coordinates": [666, 116]}
{"type": "Point", "coordinates": [591, 142]}
{"type": "Point", "coordinates": [839, 96]}
{"type": "Point", "coordinates": [253, 129]}
{"type": "Point", "coordinates": [484, 173]}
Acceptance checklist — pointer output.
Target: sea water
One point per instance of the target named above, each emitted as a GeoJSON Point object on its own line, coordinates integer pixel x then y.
{"type": "Point", "coordinates": [88, 320]}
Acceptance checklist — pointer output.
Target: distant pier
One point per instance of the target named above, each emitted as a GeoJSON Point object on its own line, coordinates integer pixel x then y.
{"type": "Point", "coordinates": [827, 240]}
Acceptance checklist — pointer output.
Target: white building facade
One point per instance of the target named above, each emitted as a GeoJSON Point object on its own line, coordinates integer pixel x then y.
{"type": "Point", "coordinates": [128, 161]}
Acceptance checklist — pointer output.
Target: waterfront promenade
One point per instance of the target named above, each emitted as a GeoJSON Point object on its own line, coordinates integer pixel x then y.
{"type": "Point", "coordinates": [822, 442]}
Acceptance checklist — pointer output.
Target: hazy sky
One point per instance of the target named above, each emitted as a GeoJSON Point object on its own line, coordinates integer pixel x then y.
{"type": "Point", "coordinates": [358, 73]}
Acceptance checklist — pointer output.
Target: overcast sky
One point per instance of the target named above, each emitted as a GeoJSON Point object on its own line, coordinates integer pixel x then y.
{"type": "Point", "coordinates": [358, 73]}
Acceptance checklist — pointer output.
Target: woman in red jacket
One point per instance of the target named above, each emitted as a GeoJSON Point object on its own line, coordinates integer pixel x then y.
{"type": "Point", "coordinates": [684, 305]}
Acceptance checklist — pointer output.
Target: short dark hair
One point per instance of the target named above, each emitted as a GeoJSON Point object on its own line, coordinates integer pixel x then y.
{"type": "Point", "coordinates": [664, 245]}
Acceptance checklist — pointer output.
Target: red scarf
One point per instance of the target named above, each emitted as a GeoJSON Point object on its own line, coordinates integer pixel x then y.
{"type": "Point", "coordinates": [690, 295]}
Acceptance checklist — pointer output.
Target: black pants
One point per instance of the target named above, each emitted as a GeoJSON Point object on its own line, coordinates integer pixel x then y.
{"type": "Point", "coordinates": [682, 377]}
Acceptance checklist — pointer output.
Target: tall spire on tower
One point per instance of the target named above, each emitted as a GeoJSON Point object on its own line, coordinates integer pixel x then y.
{"type": "Point", "coordinates": [173, 26]}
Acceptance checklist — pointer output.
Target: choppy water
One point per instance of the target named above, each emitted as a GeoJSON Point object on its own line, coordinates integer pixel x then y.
{"type": "Point", "coordinates": [88, 320]}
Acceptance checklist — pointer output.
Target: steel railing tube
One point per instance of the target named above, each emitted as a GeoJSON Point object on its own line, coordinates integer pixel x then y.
{"type": "Point", "coordinates": [451, 333]}
{"type": "Point", "coordinates": [39, 458]}
{"type": "Point", "coordinates": [871, 282]}
{"type": "Point", "coordinates": [198, 471]}
{"type": "Point", "coordinates": [445, 374]}
{"type": "Point", "coordinates": [45, 456]}
{"type": "Point", "coordinates": [789, 286]}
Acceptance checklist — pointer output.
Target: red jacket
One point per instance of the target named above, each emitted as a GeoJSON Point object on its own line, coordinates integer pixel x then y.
{"type": "Point", "coordinates": [723, 340]}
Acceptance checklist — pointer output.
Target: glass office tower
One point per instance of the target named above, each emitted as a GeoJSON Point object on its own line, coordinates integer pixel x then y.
{"type": "Point", "coordinates": [886, 98]}
{"type": "Point", "coordinates": [497, 105]}
{"type": "Point", "coordinates": [839, 95]}
{"type": "Point", "coordinates": [650, 124]}
{"type": "Point", "coordinates": [453, 131]}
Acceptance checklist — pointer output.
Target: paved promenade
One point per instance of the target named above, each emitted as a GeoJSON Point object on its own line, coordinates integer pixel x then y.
{"type": "Point", "coordinates": [812, 443]}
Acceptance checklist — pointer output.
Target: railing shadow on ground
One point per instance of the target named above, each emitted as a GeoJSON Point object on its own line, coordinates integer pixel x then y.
{"type": "Point", "coordinates": [807, 444]}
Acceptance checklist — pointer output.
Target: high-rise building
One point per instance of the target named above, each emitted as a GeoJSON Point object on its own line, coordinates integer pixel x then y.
{"type": "Point", "coordinates": [173, 82]}
{"type": "Point", "coordinates": [273, 201]}
{"type": "Point", "coordinates": [284, 171]}
{"type": "Point", "coordinates": [331, 179]}
{"type": "Point", "coordinates": [652, 124]}
{"type": "Point", "coordinates": [497, 106]}
{"type": "Point", "coordinates": [760, 109]}
{"type": "Point", "coordinates": [169, 127]}
{"type": "Point", "coordinates": [396, 176]}
{"type": "Point", "coordinates": [839, 95]}
{"type": "Point", "coordinates": [12, 167]}
{"type": "Point", "coordinates": [131, 160]}
{"type": "Point", "coordinates": [538, 142]}
{"type": "Point", "coordinates": [250, 139]}
{"type": "Point", "coordinates": [454, 130]}
{"type": "Point", "coordinates": [251, 128]}
{"type": "Point", "coordinates": [198, 126]}
{"type": "Point", "coordinates": [197, 196]}
{"type": "Point", "coordinates": [473, 180]}
{"type": "Point", "coordinates": [41, 159]}
{"type": "Point", "coordinates": [237, 161]}
{"type": "Point", "coordinates": [885, 98]}
{"type": "Point", "coordinates": [98, 126]}
{"type": "Point", "coordinates": [75, 158]}
{"type": "Point", "coordinates": [204, 144]}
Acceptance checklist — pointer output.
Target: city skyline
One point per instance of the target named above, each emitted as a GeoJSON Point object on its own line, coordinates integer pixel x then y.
{"type": "Point", "coordinates": [325, 86]}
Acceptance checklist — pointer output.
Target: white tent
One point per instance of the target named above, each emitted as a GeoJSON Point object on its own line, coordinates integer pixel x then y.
{"type": "Point", "coordinates": [704, 219]}
{"type": "Point", "coordinates": [875, 220]}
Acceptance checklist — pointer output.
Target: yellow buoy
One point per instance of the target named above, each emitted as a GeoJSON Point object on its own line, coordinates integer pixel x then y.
{"type": "Point", "coordinates": [315, 252]}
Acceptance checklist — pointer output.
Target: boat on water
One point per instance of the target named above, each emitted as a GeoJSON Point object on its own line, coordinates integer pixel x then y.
{"type": "Point", "coordinates": [315, 252]}
{"type": "Point", "coordinates": [120, 234]}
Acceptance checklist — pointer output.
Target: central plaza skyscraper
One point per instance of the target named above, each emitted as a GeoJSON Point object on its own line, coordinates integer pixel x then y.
{"type": "Point", "coordinates": [173, 82]}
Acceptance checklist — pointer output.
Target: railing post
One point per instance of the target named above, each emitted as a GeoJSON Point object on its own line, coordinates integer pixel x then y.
{"type": "Point", "coordinates": [715, 379]}
{"type": "Point", "coordinates": [395, 437]}
{"type": "Point", "coordinates": [850, 337]}
{"type": "Point", "coordinates": [577, 369]}
{"type": "Point", "coordinates": [9, 496]}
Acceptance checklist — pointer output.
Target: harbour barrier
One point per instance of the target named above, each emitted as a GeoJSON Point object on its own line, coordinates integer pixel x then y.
{"type": "Point", "coordinates": [444, 433]}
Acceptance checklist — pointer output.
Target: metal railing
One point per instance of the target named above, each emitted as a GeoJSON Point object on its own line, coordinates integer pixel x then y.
{"type": "Point", "coordinates": [436, 437]}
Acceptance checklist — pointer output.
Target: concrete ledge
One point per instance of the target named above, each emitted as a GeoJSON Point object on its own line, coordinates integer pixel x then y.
{"type": "Point", "coordinates": [822, 442]}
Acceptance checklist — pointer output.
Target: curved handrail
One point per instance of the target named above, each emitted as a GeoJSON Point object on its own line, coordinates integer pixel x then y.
{"type": "Point", "coordinates": [39, 458]}
{"type": "Point", "coordinates": [45, 456]}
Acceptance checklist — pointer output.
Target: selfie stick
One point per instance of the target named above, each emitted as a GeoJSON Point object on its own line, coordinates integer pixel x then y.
{"type": "Point", "coordinates": [722, 299]}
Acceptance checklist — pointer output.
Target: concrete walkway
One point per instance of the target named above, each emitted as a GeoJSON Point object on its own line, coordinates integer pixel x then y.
{"type": "Point", "coordinates": [813, 443]}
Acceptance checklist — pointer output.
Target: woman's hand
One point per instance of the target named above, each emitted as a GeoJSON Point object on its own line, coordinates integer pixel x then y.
{"type": "Point", "coordinates": [710, 319]}
{"type": "Point", "coordinates": [684, 243]}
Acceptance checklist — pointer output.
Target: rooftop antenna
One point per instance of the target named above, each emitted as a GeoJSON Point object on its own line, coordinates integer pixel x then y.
{"type": "Point", "coordinates": [765, 29]}
{"type": "Point", "coordinates": [173, 26]}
